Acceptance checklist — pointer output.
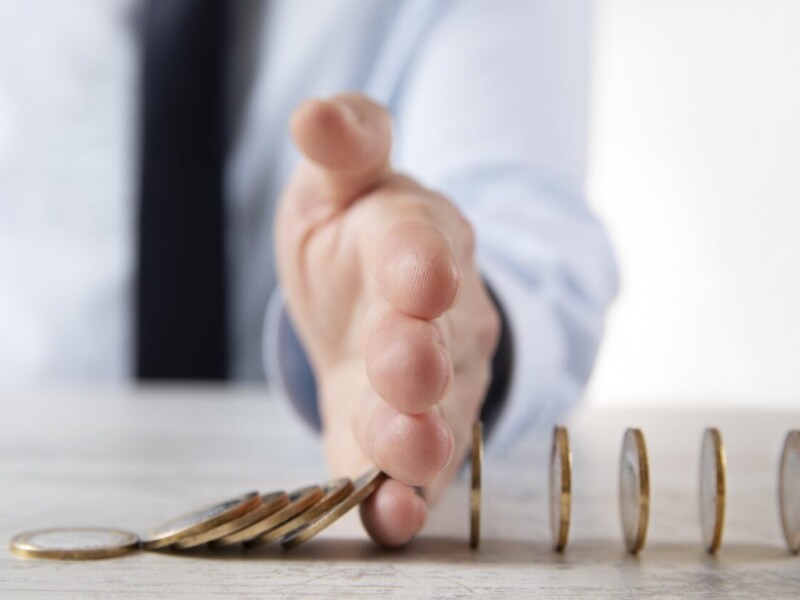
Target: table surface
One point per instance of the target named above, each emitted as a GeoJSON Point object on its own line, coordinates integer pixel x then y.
{"type": "Point", "coordinates": [131, 459]}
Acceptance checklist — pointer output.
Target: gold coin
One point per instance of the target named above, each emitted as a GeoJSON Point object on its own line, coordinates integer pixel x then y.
{"type": "Point", "coordinates": [270, 504]}
{"type": "Point", "coordinates": [299, 500]}
{"type": "Point", "coordinates": [335, 492]}
{"type": "Point", "coordinates": [78, 543]}
{"type": "Point", "coordinates": [200, 521]}
{"type": "Point", "coordinates": [789, 490]}
{"type": "Point", "coordinates": [712, 489]}
{"type": "Point", "coordinates": [560, 487]}
{"type": "Point", "coordinates": [364, 486]}
{"type": "Point", "coordinates": [475, 488]}
{"type": "Point", "coordinates": [634, 490]}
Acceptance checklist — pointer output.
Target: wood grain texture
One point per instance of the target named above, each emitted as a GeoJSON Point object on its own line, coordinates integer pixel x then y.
{"type": "Point", "coordinates": [131, 459]}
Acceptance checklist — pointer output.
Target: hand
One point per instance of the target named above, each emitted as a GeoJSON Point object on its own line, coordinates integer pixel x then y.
{"type": "Point", "coordinates": [381, 284]}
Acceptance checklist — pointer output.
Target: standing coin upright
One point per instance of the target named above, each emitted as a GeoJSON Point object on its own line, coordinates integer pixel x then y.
{"type": "Point", "coordinates": [634, 490]}
{"type": "Point", "coordinates": [200, 521]}
{"type": "Point", "coordinates": [789, 490]}
{"type": "Point", "coordinates": [80, 543]}
{"type": "Point", "coordinates": [364, 486]}
{"type": "Point", "coordinates": [712, 489]}
{"type": "Point", "coordinates": [560, 488]}
{"type": "Point", "coordinates": [475, 488]}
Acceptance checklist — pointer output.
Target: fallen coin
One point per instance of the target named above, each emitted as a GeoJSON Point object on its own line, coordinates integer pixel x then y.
{"type": "Point", "coordinates": [712, 489]}
{"type": "Point", "coordinates": [789, 490]}
{"type": "Point", "coordinates": [335, 491]}
{"type": "Point", "coordinates": [364, 487]}
{"type": "Point", "coordinates": [200, 521]}
{"type": "Point", "coordinates": [560, 488]}
{"type": "Point", "coordinates": [80, 543]}
{"type": "Point", "coordinates": [634, 490]}
{"type": "Point", "coordinates": [270, 504]}
{"type": "Point", "coordinates": [299, 501]}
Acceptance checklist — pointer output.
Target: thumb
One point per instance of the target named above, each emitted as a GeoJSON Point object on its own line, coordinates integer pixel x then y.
{"type": "Point", "coordinates": [345, 142]}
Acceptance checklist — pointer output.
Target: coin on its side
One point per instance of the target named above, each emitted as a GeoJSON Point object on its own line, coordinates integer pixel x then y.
{"type": "Point", "coordinates": [789, 490]}
{"type": "Point", "coordinates": [299, 500]}
{"type": "Point", "coordinates": [80, 543]}
{"type": "Point", "coordinates": [270, 504]}
{"type": "Point", "coordinates": [364, 487]}
{"type": "Point", "coordinates": [475, 487]}
{"type": "Point", "coordinates": [200, 521]}
{"type": "Point", "coordinates": [712, 489]}
{"type": "Point", "coordinates": [335, 491]}
{"type": "Point", "coordinates": [634, 490]}
{"type": "Point", "coordinates": [560, 487]}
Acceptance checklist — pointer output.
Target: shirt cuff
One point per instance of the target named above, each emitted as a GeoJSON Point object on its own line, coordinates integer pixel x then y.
{"type": "Point", "coordinates": [537, 393]}
{"type": "Point", "coordinates": [288, 371]}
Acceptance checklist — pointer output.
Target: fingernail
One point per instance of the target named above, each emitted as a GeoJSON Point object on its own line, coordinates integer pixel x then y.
{"type": "Point", "coordinates": [348, 112]}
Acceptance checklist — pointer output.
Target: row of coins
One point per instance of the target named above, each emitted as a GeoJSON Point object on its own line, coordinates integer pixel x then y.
{"type": "Point", "coordinates": [634, 489]}
{"type": "Point", "coordinates": [252, 520]}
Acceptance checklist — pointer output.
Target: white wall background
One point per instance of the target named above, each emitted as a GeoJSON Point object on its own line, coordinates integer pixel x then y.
{"type": "Point", "coordinates": [695, 168]}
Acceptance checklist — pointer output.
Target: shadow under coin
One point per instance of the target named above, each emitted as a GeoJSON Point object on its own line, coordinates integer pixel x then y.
{"type": "Point", "coordinates": [444, 550]}
{"type": "Point", "coordinates": [430, 550]}
{"type": "Point", "coordinates": [673, 554]}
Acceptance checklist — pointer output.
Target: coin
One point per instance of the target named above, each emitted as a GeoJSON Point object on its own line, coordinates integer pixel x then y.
{"type": "Point", "coordinates": [270, 504]}
{"type": "Point", "coordinates": [200, 521]}
{"type": "Point", "coordinates": [560, 487]}
{"type": "Point", "coordinates": [335, 492]}
{"type": "Point", "coordinates": [299, 500]}
{"type": "Point", "coordinates": [634, 490]}
{"type": "Point", "coordinates": [74, 544]}
{"type": "Point", "coordinates": [789, 490]}
{"type": "Point", "coordinates": [364, 487]}
{"type": "Point", "coordinates": [712, 489]}
{"type": "Point", "coordinates": [475, 488]}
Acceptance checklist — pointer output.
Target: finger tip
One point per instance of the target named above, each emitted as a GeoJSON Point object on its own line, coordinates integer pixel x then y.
{"type": "Point", "coordinates": [394, 514]}
{"type": "Point", "coordinates": [326, 131]}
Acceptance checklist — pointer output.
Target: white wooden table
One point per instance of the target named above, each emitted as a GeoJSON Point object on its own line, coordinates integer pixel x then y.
{"type": "Point", "coordinates": [132, 459]}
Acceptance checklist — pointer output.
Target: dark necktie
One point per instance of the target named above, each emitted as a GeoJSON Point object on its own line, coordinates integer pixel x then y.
{"type": "Point", "coordinates": [181, 295]}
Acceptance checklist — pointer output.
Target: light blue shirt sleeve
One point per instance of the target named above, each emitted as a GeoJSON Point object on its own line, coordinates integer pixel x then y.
{"type": "Point", "coordinates": [492, 111]}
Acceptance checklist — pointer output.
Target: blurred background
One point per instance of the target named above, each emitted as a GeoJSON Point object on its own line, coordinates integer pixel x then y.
{"type": "Point", "coordinates": [694, 164]}
{"type": "Point", "coordinates": [695, 168]}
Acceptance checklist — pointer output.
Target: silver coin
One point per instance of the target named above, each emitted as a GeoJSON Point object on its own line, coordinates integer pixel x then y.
{"type": "Point", "coordinates": [560, 488]}
{"type": "Point", "coordinates": [789, 490]}
{"type": "Point", "coordinates": [712, 489]}
{"type": "Point", "coordinates": [634, 490]}
{"type": "Point", "coordinates": [199, 521]}
{"type": "Point", "coordinates": [74, 543]}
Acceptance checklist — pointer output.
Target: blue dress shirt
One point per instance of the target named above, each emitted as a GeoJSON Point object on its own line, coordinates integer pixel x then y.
{"type": "Point", "coordinates": [489, 100]}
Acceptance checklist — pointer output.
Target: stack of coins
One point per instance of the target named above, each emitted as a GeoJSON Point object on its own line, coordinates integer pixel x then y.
{"type": "Point", "coordinates": [251, 519]}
